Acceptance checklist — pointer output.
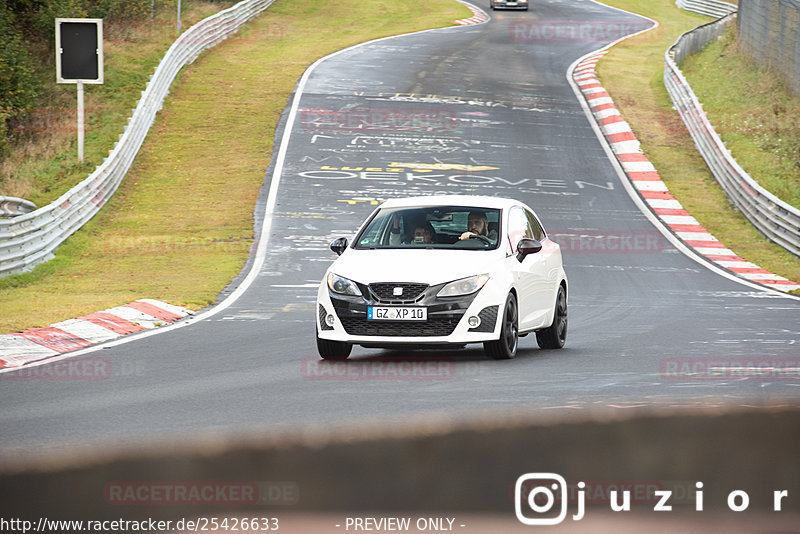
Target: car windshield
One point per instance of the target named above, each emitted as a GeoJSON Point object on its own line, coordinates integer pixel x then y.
{"type": "Point", "coordinates": [441, 227]}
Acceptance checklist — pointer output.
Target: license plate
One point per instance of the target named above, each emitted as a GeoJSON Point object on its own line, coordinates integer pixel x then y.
{"type": "Point", "coordinates": [378, 313]}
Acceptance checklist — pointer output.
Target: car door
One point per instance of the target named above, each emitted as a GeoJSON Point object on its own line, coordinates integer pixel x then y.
{"type": "Point", "coordinates": [530, 272]}
{"type": "Point", "coordinates": [550, 260]}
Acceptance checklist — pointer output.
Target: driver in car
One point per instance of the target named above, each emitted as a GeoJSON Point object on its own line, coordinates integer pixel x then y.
{"type": "Point", "coordinates": [478, 224]}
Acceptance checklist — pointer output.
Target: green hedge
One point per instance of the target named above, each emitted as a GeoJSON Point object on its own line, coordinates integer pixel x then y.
{"type": "Point", "coordinates": [27, 25]}
{"type": "Point", "coordinates": [19, 86]}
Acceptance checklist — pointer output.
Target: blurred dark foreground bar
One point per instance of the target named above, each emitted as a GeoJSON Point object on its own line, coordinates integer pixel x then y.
{"type": "Point", "coordinates": [437, 473]}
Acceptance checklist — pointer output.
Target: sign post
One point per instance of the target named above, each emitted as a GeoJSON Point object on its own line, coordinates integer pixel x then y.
{"type": "Point", "coordinates": [81, 125]}
{"type": "Point", "coordinates": [79, 60]}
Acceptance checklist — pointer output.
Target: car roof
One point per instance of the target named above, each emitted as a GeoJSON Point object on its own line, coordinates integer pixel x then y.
{"type": "Point", "coordinates": [452, 200]}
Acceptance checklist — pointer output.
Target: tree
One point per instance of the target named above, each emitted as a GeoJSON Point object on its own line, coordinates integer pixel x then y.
{"type": "Point", "coordinates": [19, 87]}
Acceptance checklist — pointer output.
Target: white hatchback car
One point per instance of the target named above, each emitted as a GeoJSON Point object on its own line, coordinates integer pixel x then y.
{"type": "Point", "coordinates": [444, 270]}
{"type": "Point", "coordinates": [509, 4]}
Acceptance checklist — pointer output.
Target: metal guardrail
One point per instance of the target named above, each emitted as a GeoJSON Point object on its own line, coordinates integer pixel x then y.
{"type": "Point", "coordinates": [776, 219]}
{"type": "Point", "coordinates": [13, 206]}
{"type": "Point", "coordinates": [712, 8]}
{"type": "Point", "coordinates": [30, 239]}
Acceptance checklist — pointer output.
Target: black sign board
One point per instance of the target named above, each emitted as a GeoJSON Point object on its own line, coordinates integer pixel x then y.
{"type": "Point", "coordinates": [79, 50]}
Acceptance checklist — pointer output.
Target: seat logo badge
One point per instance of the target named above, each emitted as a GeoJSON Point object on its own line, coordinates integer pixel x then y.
{"type": "Point", "coordinates": [398, 291]}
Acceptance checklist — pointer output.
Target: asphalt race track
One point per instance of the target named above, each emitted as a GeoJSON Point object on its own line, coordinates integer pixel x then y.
{"type": "Point", "coordinates": [483, 109]}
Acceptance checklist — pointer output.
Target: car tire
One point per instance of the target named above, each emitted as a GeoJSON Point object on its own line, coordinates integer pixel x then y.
{"type": "Point", "coordinates": [554, 336]}
{"type": "Point", "coordinates": [505, 347]}
{"type": "Point", "coordinates": [333, 350]}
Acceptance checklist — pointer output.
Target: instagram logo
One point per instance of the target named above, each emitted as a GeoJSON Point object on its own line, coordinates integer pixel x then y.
{"type": "Point", "coordinates": [541, 492]}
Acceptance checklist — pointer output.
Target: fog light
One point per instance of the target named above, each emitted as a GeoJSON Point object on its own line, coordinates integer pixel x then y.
{"type": "Point", "coordinates": [474, 322]}
{"type": "Point", "coordinates": [330, 319]}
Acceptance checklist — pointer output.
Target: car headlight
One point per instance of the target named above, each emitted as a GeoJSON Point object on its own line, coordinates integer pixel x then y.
{"type": "Point", "coordinates": [465, 286]}
{"type": "Point", "coordinates": [343, 286]}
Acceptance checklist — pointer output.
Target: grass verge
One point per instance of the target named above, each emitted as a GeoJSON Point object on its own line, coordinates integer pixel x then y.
{"type": "Point", "coordinates": [759, 121]}
{"type": "Point", "coordinates": [181, 225]}
{"type": "Point", "coordinates": [632, 72]}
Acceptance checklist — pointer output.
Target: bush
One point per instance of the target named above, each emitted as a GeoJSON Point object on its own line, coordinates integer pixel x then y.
{"type": "Point", "coordinates": [121, 9]}
{"type": "Point", "coordinates": [42, 21]}
{"type": "Point", "coordinates": [19, 87]}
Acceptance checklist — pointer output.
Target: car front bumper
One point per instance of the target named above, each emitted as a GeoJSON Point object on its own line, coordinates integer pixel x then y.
{"type": "Point", "coordinates": [447, 322]}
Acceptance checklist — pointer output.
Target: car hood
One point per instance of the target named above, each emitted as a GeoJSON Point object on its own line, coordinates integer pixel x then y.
{"type": "Point", "coordinates": [429, 266]}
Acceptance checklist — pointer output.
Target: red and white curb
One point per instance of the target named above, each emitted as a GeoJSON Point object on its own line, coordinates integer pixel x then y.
{"type": "Point", "coordinates": [645, 178]}
{"type": "Point", "coordinates": [36, 344]}
{"type": "Point", "coordinates": [479, 16]}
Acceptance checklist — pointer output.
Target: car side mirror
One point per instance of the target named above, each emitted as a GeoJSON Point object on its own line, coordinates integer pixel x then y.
{"type": "Point", "coordinates": [527, 246]}
{"type": "Point", "coordinates": [339, 245]}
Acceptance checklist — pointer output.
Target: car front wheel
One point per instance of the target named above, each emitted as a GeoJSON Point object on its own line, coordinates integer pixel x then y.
{"type": "Point", "coordinates": [505, 347]}
{"type": "Point", "coordinates": [554, 336]}
{"type": "Point", "coordinates": [333, 350]}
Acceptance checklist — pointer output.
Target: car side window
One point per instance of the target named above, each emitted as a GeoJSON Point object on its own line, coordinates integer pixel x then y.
{"type": "Point", "coordinates": [374, 236]}
{"type": "Point", "coordinates": [518, 227]}
{"type": "Point", "coordinates": [536, 228]}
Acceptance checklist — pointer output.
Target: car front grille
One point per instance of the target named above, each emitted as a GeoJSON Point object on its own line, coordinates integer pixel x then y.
{"type": "Point", "coordinates": [433, 327]}
{"type": "Point", "coordinates": [384, 292]}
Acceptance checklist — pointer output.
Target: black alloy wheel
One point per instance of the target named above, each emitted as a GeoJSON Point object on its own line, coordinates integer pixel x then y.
{"type": "Point", "coordinates": [505, 347]}
{"type": "Point", "coordinates": [555, 336]}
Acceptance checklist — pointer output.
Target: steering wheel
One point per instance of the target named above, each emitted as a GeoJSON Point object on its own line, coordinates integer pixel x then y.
{"type": "Point", "coordinates": [482, 238]}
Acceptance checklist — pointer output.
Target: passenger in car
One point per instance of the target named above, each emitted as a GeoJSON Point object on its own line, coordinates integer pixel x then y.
{"type": "Point", "coordinates": [424, 233]}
